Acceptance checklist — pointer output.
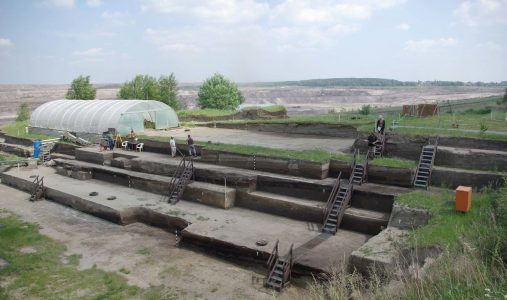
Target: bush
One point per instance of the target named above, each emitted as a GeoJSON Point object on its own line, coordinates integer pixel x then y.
{"type": "Point", "coordinates": [219, 93]}
{"type": "Point", "coordinates": [483, 127]}
{"type": "Point", "coordinates": [23, 112]}
{"type": "Point", "coordinates": [365, 110]}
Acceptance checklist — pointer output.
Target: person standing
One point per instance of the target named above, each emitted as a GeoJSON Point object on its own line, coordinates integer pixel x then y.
{"type": "Point", "coordinates": [172, 143]}
{"type": "Point", "coordinates": [191, 147]}
{"type": "Point", "coordinates": [381, 125]}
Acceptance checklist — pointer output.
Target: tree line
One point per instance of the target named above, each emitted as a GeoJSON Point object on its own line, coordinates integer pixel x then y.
{"type": "Point", "coordinates": [216, 92]}
{"type": "Point", "coordinates": [375, 82]}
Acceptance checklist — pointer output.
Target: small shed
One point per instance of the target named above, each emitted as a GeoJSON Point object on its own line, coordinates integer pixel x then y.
{"type": "Point", "coordinates": [93, 117]}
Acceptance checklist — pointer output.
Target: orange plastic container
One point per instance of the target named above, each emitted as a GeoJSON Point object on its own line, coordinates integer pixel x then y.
{"type": "Point", "coordinates": [463, 198]}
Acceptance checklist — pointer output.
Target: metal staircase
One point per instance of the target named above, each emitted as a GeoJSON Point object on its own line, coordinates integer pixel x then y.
{"type": "Point", "coordinates": [37, 190]}
{"type": "Point", "coordinates": [359, 171]}
{"type": "Point", "coordinates": [423, 172]}
{"type": "Point", "coordinates": [182, 176]}
{"type": "Point", "coordinates": [279, 269]}
{"type": "Point", "coordinates": [45, 149]}
{"type": "Point", "coordinates": [379, 148]}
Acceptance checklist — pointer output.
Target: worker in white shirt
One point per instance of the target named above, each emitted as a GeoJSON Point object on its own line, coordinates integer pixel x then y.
{"type": "Point", "coordinates": [172, 143]}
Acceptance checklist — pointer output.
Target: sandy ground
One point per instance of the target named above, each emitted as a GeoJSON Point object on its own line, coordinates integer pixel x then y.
{"type": "Point", "coordinates": [257, 138]}
{"type": "Point", "coordinates": [148, 253]}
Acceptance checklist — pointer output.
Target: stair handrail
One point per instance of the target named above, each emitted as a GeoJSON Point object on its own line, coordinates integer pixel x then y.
{"type": "Point", "coordinates": [272, 260]}
{"type": "Point", "coordinates": [332, 198]}
{"type": "Point", "coordinates": [177, 175]}
{"type": "Point", "coordinates": [365, 168]}
{"type": "Point", "coordinates": [354, 161]}
{"type": "Point", "coordinates": [287, 267]}
{"type": "Point", "coordinates": [383, 136]}
{"type": "Point", "coordinates": [418, 165]}
{"type": "Point", "coordinates": [345, 203]}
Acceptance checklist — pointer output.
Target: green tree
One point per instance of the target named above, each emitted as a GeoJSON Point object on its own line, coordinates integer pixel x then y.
{"type": "Point", "coordinates": [80, 88]}
{"type": "Point", "coordinates": [365, 110]}
{"type": "Point", "coordinates": [219, 93]}
{"type": "Point", "coordinates": [23, 112]}
{"type": "Point", "coordinates": [168, 86]}
{"type": "Point", "coordinates": [143, 87]}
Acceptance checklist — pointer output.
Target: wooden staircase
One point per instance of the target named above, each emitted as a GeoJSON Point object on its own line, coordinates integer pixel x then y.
{"type": "Point", "coordinates": [181, 178]}
{"type": "Point", "coordinates": [279, 269]}
{"type": "Point", "coordinates": [38, 190]}
{"type": "Point", "coordinates": [423, 172]}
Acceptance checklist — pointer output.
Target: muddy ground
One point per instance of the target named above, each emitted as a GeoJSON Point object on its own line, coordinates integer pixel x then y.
{"type": "Point", "coordinates": [149, 255]}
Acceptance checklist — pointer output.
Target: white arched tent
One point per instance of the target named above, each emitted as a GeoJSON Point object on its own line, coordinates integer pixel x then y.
{"type": "Point", "coordinates": [97, 116]}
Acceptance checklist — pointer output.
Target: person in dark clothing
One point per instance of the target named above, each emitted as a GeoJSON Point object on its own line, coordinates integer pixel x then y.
{"type": "Point", "coordinates": [191, 147]}
{"type": "Point", "coordinates": [381, 125]}
{"type": "Point", "coordinates": [372, 142]}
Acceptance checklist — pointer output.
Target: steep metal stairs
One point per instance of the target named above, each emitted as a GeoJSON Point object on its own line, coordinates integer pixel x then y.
{"type": "Point", "coordinates": [379, 148]}
{"type": "Point", "coordinates": [423, 173]}
{"type": "Point", "coordinates": [335, 207]}
{"type": "Point", "coordinates": [279, 269]}
{"type": "Point", "coordinates": [359, 171]}
{"type": "Point", "coordinates": [181, 178]}
{"type": "Point", "coordinates": [37, 190]}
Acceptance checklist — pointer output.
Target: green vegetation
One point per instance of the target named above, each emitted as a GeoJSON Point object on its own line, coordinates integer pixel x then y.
{"type": "Point", "coordinates": [146, 87]}
{"type": "Point", "coordinates": [365, 110]}
{"type": "Point", "coordinates": [23, 112]}
{"type": "Point", "coordinates": [4, 157]}
{"type": "Point", "coordinates": [43, 275]}
{"type": "Point", "coordinates": [473, 264]}
{"type": "Point", "coordinates": [217, 92]}
{"type": "Point", "coordinates": [211, 113]}
{"type": "Point", "coordinates": [18, 129]}
{"type": "Point", "coordinates": [80, 88]}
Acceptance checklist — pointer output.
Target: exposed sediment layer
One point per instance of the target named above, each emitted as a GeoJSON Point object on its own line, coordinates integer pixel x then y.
{"type": "Point", "coordinates": [233, 231]}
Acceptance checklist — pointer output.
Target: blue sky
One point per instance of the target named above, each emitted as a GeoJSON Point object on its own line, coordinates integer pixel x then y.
{"type": "Point", "coordinates": [53, 41]}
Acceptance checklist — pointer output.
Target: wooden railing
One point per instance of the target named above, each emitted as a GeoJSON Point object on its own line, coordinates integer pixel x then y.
{"type": "Point", "coordinates": [365, 168]}
{"type": "Point", "coordinates": [332, 198]}
{"type": "Point", "coordinates": [272, 260]}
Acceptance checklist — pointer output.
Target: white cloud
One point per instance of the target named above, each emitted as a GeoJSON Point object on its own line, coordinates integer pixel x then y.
{"type": "Point", "coordinates": [89, 52]}
{"type": "Point", "coordinates": [430, 44]}
{"type": "Point", "coordinates": [118, 18]}
{"type": "Point", "coordinates": [5, 42]}
{"type": "Point", "coordinates": [91, 55]}
{"type": "Point", "coordinates": [482, 12]}
{"type": "Point", "coordinates": [230, 11]}
{"type": "Point", "coordinates": [403, 27]}
{"type": "Point", "coordinates": [61, 3]}
{"type": "Point", "coordinates": [94, 3]}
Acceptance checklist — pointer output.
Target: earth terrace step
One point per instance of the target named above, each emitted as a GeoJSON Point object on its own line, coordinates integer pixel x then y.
{"type": "Point", "coordinates": [202, 192]}
{"type": "Point", "coordinates": [356, 219]}
{"type": "Point", "coordinates": [231, 233]}
{"type": "Point", "coordinates": [475, 159]}
{"type": "Point", "coordinates": [368, 196]}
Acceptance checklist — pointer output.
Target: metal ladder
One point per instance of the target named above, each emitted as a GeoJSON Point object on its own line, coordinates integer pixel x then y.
{"type": "Point", "coordinates": [279, 269]}
{"type": "Point", "coordinates": [182, 176]}
{"type": "Point", "coordinates": [37, 190]}
{"type": "Point", "coordinates": [379, 148]}
{"type": "Point", "coordinates": [426, 160]}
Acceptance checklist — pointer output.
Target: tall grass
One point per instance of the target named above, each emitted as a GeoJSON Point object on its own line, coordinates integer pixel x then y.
{"type": "Point", "coordinates": [473, 264]}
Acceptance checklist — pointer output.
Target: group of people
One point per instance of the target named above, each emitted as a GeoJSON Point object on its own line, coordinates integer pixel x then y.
{"type": "Point", "coordinates": [376, 136]}
{"type": "Point", "coordinates": [190, 144]}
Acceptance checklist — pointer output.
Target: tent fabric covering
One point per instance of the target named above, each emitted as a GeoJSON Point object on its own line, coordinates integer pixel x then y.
{"type": "Point", "coordinates": [97, 116]}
